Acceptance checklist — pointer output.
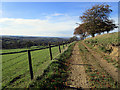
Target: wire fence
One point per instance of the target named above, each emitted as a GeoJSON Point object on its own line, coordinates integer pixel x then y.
{"type": "Point", "coordinates": [10, 59]}
{"type": "Point", "coordinates": [23, 66]}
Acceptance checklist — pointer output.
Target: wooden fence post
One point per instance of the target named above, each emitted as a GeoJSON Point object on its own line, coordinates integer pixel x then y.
{"type": "Point", "coordinates": [50, 51]}
{"type": "Point", "coordinates": [59, 48]}
{"type": "Point", "coordinates": [30, 64]}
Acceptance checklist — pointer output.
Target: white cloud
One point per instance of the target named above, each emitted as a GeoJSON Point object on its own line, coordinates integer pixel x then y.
{"type": "Point", "coordinates": [48, 17]}
{"type": "Point", "coordinates": [56, 26]}
{"type": "Point", "coordinates": [36, 27]}
{"type": "Point", "coordinates": [57, 14]}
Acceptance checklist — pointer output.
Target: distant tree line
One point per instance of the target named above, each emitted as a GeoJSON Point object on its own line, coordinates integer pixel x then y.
{"type": "Point", "coordinates": [21, 42]}
{"type": "Point", "coordinates": [95, 21]}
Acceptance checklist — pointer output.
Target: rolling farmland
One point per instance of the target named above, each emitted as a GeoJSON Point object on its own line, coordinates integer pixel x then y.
{"type": "Point", "coordinates": [60, 45]}
{"type": "Point", "coordinates": [15, 67]}
{"type": "Point", "coordinates": [89, 63]}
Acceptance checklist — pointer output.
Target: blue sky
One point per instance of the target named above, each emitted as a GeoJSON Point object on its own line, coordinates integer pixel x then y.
{"type": "Point", "coordinates": [46, 18]}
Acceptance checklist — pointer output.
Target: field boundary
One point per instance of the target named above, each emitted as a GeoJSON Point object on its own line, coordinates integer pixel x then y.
{"type": "Point", "coordinates": [54, 76]}
{"type": "Point", "coordinates": [34, 49]}
{"type": "Point", "coordinates": [32, 77]}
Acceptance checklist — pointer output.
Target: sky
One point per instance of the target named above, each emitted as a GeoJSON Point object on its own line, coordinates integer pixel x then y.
{"type": "Point", "coordinates": [54, 19]}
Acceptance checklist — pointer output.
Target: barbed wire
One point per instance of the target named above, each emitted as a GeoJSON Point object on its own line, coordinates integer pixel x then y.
{"type": "Point", "coordinates": [13, 58]}
{"type": "Point", "coordinates": [56, 52]}
{"type": "Point", "coordinates": [22, 69]}
{"type": "Point", "coordinates": [42, 60]}
{"type": "Point", "coordinates": [19, 61]}
{"type": "Point", "coordinates": [23, 73]}
{"type": "Point", "coordinates": [36, 72]}
{"type": "Point", "coordinates": [30, 50]}
{"type": "Point", "coordinates": [13, 64]}
{"type": "Point", "coordinates": [36, 64]}
{"type": "Point", "coordinates": [37, 55]}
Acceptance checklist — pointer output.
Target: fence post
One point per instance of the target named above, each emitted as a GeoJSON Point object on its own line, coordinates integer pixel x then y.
{"type": "Point", "coordinates": [30, 64]}
{"type": "Point", "coordinates": [59, 48]}
{"type": "Point", "coordinates": [50, 51]}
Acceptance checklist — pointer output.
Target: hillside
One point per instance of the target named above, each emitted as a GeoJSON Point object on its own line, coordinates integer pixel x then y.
{"type": "Point", "coordinates": [107, 43]}
{"type": "Point", "coordinates": [97, 61]}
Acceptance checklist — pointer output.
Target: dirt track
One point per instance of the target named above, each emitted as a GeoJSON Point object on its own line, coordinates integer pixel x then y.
{"type": "Point", "coordinates": [103, 63]}
{"type": "Point", "coordinates": [77, 77]}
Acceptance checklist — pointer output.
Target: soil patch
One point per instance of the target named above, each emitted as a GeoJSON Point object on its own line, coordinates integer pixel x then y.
{"type": "Point", "coordinates": [77, 76]}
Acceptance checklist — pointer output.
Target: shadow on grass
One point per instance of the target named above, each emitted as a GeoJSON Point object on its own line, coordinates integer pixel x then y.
{"type": "Point", "coordinates": [82, 64]}
{"type": "Point", "coordinates": [56, 73]}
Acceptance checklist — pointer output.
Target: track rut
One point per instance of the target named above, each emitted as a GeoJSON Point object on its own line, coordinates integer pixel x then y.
{"type": "Point", "coordinates": [77, 76]}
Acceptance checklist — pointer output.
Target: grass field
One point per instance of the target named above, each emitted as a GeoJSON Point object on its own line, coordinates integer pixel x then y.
{"type": "Point", "coordinates": [15, 67]}
{"type": "Point", "coordinates": [17, 50]}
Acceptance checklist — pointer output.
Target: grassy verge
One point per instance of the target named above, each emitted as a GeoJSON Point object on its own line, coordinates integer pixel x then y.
{"type": "Point", "coordinates": [106, 57]}
{"type": "Point", "coordinates": [107, 44]}
{"type": "Point", "coordinates": [97, 76]}
{"type": "Point", "coordinates": [55, 74]}
{"type": "Point", "coordinates": [105, 41]}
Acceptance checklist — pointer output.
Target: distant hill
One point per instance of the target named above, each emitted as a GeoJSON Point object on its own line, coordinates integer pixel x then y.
{"type": "Point", "coordinates": [13, 42]}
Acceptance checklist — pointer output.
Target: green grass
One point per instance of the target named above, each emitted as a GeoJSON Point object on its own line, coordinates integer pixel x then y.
{"type": "Point", "coordinates": [55, 74]}
{"type": "Point", "coordinates": [15, 67]}
{"type": "Point", "coordinates": [104, 43]}
{"type": "Point", "coordinates": [105, 39]}
{"type": "Point", "coordinates": [17, 50]}
{"type": "Point", "coordinates": [12, 50]}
